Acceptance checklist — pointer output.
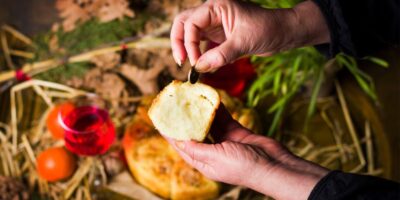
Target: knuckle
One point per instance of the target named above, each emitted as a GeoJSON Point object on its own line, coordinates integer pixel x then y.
{"type": "Point", "coordinates": [221, 57]}
{"type": "Point", "coordinates": [190, 44]}
{"type": "Point", "coordinates": [192, 156]}
{"type": "Point", "coordinates": [221, 4]}
{"type": "Point", "coordinates": [187, 44]}
{"type": "Point", "coordinates": [199, 165]}
{"type": "Point", "coordinates": [188, 24]}
{"type": "Point", "coordinates": [179, 18]}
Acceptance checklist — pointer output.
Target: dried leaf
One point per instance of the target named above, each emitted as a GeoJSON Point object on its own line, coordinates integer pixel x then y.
{"type": "Point", "coordinates": [144, 79]}
{"type": "Point", "coordinates": [106, 61]}
{"type": "Point", "coordinates": [108, 10]}
{"type": "Point", "coordinates": [72, 13]}
{"type": "Point", "coordinates": [92, 78]}
{"type": "Point", "coordinates": [111, 87]}
{"type": "Point", "coordinates": [54, 45]}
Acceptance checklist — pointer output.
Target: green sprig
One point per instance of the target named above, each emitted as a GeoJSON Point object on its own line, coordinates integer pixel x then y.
{"type": "Point", "coordinates": [282, 75]}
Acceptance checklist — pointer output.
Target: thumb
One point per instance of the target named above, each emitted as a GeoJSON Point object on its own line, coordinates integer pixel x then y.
{"type": "Point", "coordinates": [196, 154]}
{"type": "Point", "coordinates": [219, 56]}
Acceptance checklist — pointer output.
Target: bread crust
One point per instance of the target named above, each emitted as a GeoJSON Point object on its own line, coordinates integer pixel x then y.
{"type": "Point", "coordinates": [154, 163]}
{"type": "Point", "coordinates": [157, 105]}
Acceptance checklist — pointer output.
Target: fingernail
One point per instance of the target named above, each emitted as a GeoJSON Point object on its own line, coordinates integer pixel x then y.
{"type": "Point", "coordinates": [192, 63]}
{"type": "Point", "coordinates": [180, 144]}
{"type": "Point", "coordinates": [202, 66]}
{"type": "Point", "coordinates": [177, 60]}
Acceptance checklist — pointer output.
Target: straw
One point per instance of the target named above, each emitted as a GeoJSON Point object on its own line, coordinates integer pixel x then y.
{"type": "Point", "coordinates": [350, 127]}
{"type": "Point", "coordinates": [141, 43]}
{"type": "Point", "coordinates": [24, 54]}
{"type": "Point", "coordinates": [28, 149]}
{"type": "Point", "coordinates": [6, 50]}
{"type": "Point", "coordinates": [78, 176]}
{"type": "Point", "coordinates": [17, 34]}
{"type": "Point", "coordinates": [370, 154]}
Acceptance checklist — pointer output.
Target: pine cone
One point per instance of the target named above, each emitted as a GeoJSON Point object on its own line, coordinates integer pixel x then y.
{"type": "Point", "coordinates": [12, 189]}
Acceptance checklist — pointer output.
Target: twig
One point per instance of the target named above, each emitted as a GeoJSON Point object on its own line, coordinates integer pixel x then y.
{"type": "Point", "coordinates": [17, 34]}
{"type": "Point", "coordinates": [9, 159]}
{"type": "Point", "coordinates": [102, 171]}
{"type": "Point", "coordinates": [39, 128]}
{"type": "Point", "coordinates": [370, 153]}
{"type": "Point", "coordinates": [6, 50]}
{"type": "Point", "coordinates": [57, 94]}
{"type": "Point", "coordinates": [79, 193]}
{"type": "Point", "coordinates": [144, 43]}
{"type": "Point", "coordinates": [43, 186]}
{"type": "Point", "coordinates": [41, 93]}
{"type": "Point", "coordinates": [19, 104]}
{"type": "Point", "coordinates": [351, 128]}
{"type": "Point", "coordinates": [77, 177]}
{"type": "Point", "coordinates": [334, 131]}
{"type": "Point", "coordinates": [23, 54]}
{"type": "Point", "coordinates": [28, 149]}
{"type": "Point", "coordinates": [7, 130]}
{"type": "Point", "coordinates": [4, 160]}
{"type": "Point", "coordinates": [330, 159]}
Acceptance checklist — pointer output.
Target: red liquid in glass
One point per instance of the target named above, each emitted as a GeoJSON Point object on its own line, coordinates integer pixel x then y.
{"type": "Point", "coordinates": [88, 131]}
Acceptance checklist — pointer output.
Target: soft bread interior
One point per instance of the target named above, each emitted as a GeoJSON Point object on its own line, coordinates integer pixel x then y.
{"type": "Point", "coordinates": [185, 111]}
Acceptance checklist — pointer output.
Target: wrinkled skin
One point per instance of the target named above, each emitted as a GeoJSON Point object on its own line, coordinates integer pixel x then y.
{"type": "Point", "coordinates": [240, 157]}
{"type": "Point", "coordinates": [242, 29]}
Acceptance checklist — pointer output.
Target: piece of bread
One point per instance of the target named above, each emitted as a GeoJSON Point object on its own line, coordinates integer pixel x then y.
{"type": "Point", "coordinates": [147, 159]}
{"type": "Point", "coordinates": [188, 183]}
{"type": "Point", "coordinates": [158, 167]}
{"type": "Point", "coordinates": [185, 111]}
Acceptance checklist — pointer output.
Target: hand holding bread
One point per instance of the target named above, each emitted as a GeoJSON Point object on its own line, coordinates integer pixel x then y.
{"type": "Point", "coordinates": [185, 111]}
{"type": "Point", "coordinates": [238, 157]}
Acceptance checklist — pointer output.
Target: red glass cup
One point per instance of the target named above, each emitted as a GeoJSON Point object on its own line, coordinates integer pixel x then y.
{"type": "Point", "coordinates": [88, 127]}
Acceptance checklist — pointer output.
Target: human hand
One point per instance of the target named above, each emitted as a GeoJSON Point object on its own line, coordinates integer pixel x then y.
{"type": "Point", "coordinates": [241, 158]}
{"type": "Point", "coordinates": [242, 29]}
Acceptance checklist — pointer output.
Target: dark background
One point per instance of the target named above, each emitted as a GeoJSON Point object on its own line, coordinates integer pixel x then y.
{"type": "Point", "coordinates": [29, 16]}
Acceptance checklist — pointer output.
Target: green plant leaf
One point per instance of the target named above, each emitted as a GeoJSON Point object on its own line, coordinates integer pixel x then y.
{"type": "Point", "coordinates": [296, 66]}
{"type": "Point", "coordinates": [278, 104]}
{"type": "Point", "coordinates": [277, 81]}
{"type": "Point", "coordinates": [378, 61]}
{"type": "Point", "coordinates": [366, 88]}
{"type": "Point", "coordinates": [275, 121]}
{"type": "Point", "coordinates": [314, 95]}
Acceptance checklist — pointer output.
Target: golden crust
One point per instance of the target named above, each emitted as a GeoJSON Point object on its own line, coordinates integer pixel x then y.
{"type": "Point", "coordinates": [155, 164]}
{"type": "Point", "coordinates": [188, 183]}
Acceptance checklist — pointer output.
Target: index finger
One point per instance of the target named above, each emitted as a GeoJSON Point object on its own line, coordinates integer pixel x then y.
{"type": "Point", "coordinates": [201, 19]}
{"type": "Point", "coordinates": [177, 37]}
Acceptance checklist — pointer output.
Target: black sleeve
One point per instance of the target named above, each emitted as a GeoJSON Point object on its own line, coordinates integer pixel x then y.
{"type": "Point", "coordinates": [339, 186]}
{"type": "Point", "coordinates": [360, 27]}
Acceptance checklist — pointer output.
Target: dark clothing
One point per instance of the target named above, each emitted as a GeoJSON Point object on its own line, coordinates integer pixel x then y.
{"type": "Point", "coordinates": [340, 186]}
{"type": "Point", "coordinates": [360, 27]}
